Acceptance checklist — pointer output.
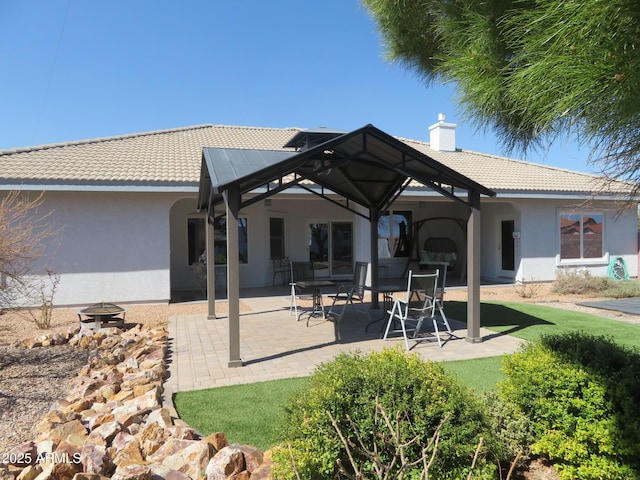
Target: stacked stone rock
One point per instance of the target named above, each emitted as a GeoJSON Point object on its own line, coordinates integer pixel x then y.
{"type": "Point", "coordinates": [114, 423]}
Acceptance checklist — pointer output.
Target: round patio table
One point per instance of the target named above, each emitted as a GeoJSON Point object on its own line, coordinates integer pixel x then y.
{"type": "Point", "coordinates": [316, 286]}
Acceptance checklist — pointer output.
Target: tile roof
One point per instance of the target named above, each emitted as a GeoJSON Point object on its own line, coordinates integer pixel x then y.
{"type": "Point", "coordinates": [165, 156]}
{"type": "Point", "coordinates": [172, 157]}
{"type": "Point", "coordinates": [507, 174]}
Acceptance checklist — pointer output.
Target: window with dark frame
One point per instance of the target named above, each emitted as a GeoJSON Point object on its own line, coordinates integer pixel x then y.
{"type": "Point", "coordinates": [220, 240]}
{"type": "Point", "coordinates": [196, 240]}
{"type": "Point", "coordinates": [276, 237]}
{"type": "Point", "coordinates": [581, 235]}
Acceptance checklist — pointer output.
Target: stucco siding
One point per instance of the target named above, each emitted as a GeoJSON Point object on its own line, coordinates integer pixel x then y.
{"type": "Point", "coordinates": [132, 247]}
{"type": "Point", "coordinates": [621, 239]}
{"type": "Point", "coordinates": [541, 242]}
{"type": "Point", "coordinates": [111, 247]}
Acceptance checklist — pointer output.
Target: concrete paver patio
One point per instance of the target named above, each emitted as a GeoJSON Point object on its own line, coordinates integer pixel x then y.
{"type": "Point", "coordinates": [274, 345]}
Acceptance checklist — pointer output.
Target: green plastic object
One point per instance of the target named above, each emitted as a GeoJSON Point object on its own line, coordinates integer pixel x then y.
{"type": "Point", "coordinates": [617, 269]}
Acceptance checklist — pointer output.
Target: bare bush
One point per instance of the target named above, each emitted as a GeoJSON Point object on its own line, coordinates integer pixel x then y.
{"type": "Point", "coordinates": [528, 289]}
{"type": "Point", "coordinates": [24, 232]}
{"type": "Point", "coordinates": [42, 291]}
{"type": "Point", "coordinates": [578, 282]}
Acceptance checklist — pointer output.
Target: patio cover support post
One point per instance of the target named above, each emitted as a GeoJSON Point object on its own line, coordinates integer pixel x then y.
{"type": "Point", "coordinates": [232, 201]}
{"type": "Point", "coordinates": [473, 266]}
{"type": "Point", "coordinates": [373, 229]}
{"type": "Point", "coordinates": [211, 272]}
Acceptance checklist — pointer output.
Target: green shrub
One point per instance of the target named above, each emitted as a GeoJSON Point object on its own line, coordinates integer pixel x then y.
{"type": "Point", "coordinates": [582, 394]}
{"type": "Point", "coordinates": [357, 391]}
{"type": "Point", "coordinates": [511, 426]}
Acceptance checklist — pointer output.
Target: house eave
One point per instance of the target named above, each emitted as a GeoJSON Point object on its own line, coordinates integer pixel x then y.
{"type": "Point", "coordinates": [558, 195]}
{"type": "Point", "coordinates": [102, 187]}
{"type": "Point", "coordinates": [413, 192]}
{"type": "Point", "coordinates": [192, 188]}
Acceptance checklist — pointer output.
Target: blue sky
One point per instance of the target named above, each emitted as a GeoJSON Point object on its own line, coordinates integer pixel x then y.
{"type": "Point", "coordinates": [77, 69]}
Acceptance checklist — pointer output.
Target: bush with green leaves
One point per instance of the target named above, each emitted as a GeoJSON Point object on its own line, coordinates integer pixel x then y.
{"type": "Point", "coordinates": [389, 409]}
{"type": "Point", "coordinates": [512, 427]}
{"type": "Point", "coordinates": [582, 394]}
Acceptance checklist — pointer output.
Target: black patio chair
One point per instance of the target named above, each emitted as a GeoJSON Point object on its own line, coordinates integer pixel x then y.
{"type": "Point", "coordinates": [300, 271]}
{"type": "Point", "coordinates": [349, 292]}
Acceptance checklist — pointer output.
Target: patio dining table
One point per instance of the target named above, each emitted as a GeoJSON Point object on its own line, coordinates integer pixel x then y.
{"type": "Point", "coordinates": [316, 286]}
{"type": "Point", "coordinates": [387, 288]}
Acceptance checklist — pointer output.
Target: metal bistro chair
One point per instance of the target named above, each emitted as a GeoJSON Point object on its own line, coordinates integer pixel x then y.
{"type": "Point", "coordinates": [280, 266]}
{"type": "Point", "coordinates": [349, 292]}
{"type": "Point", "coordinates": [300, 271]}
{"type": "Point", "coordinates": [420, 304]}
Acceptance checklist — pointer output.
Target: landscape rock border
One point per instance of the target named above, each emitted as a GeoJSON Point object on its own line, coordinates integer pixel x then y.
{"type": "Point", "coordinates": [118, 420]}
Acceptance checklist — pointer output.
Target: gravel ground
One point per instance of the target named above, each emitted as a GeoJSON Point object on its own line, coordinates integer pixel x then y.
{"type": "Point", "coordinates": [30, 381]}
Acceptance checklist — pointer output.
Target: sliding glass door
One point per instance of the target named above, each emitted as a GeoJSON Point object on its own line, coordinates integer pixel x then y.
{"type": "Point", "coordinates": [331, 248]}
{"type": "Point", "coordinates": [319, 248]}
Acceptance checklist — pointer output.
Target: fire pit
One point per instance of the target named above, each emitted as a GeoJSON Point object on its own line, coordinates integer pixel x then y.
{"type": "Point", "coordinates": [100, 314]}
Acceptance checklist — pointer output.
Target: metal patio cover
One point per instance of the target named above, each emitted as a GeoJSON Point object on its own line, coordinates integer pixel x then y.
{"type": "Point", "coordinates": [366, 166]}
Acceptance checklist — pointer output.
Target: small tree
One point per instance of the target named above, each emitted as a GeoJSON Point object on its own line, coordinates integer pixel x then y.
{"type": "Point", "coordinates": [24, 231]}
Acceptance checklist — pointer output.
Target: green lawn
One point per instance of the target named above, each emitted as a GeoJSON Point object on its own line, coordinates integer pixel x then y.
{"type": "Point", "coordinates": [529, 322]}
{"type": "Point", "coordinates": [478, 373]}
{"type": "Point", "coordinates": [248, 413]}
{"type": "Point", "coordinates": [245, 413]}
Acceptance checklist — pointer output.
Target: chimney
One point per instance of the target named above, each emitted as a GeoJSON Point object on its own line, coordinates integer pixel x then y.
{"type": "Point", "coordinates": [443, 135]}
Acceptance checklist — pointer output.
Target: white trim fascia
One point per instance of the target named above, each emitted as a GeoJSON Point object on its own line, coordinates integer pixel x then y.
{"type": "Point", "coordinates": [410, 192]}
{"type": "Point", "coordinates": [501, 195]}
{"type": "Point", "coordinates": [101, 188]}
{"type": "Point", "coordinates": [533, 195]}
{"type": "Point", "coordinates": [566, 196]}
